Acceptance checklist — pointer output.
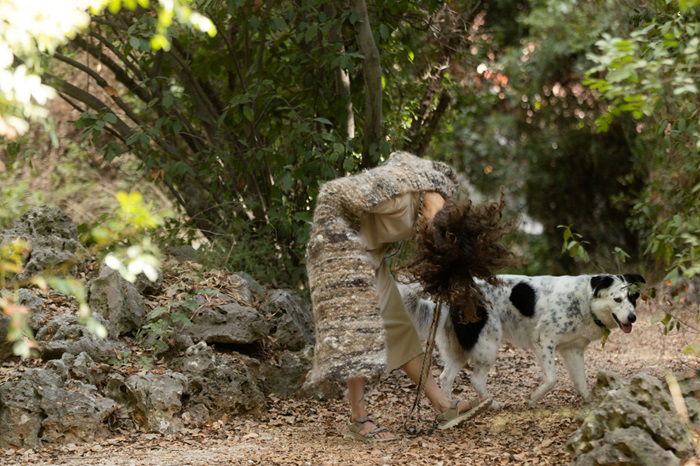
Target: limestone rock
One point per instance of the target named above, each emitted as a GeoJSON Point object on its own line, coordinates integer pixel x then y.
{"type": "Point", "coordinates": [24, 297]}
{"type": "Point", "coordinates": [44, 406]}
{"type": "Point", "coordinates": [228, 323]}
{"type": "Point", "coordinates": [154, 400]}
{"type": "Point", "coordinates": [36, 305]}
{"type": "Point", "coordinates": [285, 375]}
{"type": "Point", "coordinates": [630, 421]}
{"type": "Point", "coordinates": [74, 413]}
{"type": "Point", "coordinates": [118, 301]}
{"type": "Point", "coordinates": [146, 287]}
{"type": "Point", "coordinates": [290, 319]}
{"type": "Point", "coordinates": [64, 334]}
{"type": "Point", "coordinates": [184, 253]}
{"type": "Point", "coordinates": [52, 234]}
{"type": "Point", "coordinates": [197, 415]}
{"type": "Point", "coordinates": [690, 388]}
{"type": "Point", "coordinates": [255, 288]}
{"type": "Point", "coordinates": [630, 445]}
{"type": "Point", "coordinates": [223, 384]}
{"type": "Point", "coordinates": [20, 408]}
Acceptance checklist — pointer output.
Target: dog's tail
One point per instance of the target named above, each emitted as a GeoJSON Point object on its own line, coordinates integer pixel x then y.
{"type": "Point", "coordinates": [419, 309]}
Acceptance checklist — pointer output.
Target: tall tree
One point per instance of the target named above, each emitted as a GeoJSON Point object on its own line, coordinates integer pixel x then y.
{"type": "Point", "coordinates": [244, 126]}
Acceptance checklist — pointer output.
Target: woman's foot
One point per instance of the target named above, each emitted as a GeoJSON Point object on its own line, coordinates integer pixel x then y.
{"type": "Point", "coordinates": [365, 429]}
{"type": "Point", "coordinates": [460, 411]}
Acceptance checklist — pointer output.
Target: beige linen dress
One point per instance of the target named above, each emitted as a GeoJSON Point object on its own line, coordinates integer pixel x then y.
{"type": "Point", "coordinates": [391, 221]}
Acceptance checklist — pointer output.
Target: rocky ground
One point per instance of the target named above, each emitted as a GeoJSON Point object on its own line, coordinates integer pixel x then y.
{"type": "Point", "coordinates": [311, 432]}
{"type": "Point", "coordinates": [206, 367]}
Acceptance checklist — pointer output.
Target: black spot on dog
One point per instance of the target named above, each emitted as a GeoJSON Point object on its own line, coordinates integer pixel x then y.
{"type": "Point", "coordinates": [600, 282]}
{"type": "Point", "coordinates": [523, 298]}
{"type": "Point", "coordinates": [574, 309]}
{"type": "Point", "coordinates": [468, 332]}
{"type": "Point", "coordinates": [633, 278]}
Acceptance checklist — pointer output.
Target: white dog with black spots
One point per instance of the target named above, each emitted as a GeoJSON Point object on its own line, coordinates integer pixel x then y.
{"type": "Point", "coordinates": [541, 313]}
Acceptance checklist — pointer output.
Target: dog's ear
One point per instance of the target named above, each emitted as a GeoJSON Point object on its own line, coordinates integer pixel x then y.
{"type": "Point", "coordinates": [600, 282]}
{"type": "Point", "coordinates": [634, 278]}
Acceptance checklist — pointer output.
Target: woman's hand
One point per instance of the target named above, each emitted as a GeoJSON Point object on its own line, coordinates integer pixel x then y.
{"type": "Point", "coordinates": [433, 203]}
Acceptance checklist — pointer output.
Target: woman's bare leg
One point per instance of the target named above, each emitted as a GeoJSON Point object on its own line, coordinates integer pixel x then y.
{"type": "Point", "coordinates": [358, 406]}
{"type": "Point", "coordinates": [437, 398]}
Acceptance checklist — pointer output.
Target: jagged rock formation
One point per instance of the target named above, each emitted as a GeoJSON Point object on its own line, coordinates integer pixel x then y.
{"type": "Point", "coordinates": [633, 422]}
{"type": "Point", "coordinates": [52, 235]}
{"type": "Point", "coordinates": [220, 354]}
{"type": "Point", "coordinates": [118, 301]}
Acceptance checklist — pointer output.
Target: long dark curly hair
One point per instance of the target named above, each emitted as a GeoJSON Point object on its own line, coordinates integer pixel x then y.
{"type": "Point", "coordinates": [461, 243]}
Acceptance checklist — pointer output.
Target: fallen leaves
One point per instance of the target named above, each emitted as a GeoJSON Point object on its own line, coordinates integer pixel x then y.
{"type": "Point", "coordinates": [309, 432]}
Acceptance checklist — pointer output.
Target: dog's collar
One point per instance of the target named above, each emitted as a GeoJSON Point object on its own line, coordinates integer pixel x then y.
{"type": "Point", "coordinates": [603, 328]}
{"type": "Point", "coordinates": [598, 322]}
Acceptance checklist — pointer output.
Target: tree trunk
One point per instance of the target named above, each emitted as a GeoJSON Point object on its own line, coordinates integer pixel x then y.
{"type": "Point", "coordinates": [372, 70]}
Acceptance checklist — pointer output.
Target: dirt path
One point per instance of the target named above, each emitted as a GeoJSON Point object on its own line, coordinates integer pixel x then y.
{"type": "Point", "coordinates": [311, 432]}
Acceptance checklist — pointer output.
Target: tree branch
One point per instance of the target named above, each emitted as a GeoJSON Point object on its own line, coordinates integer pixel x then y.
{"type": "Point", "coordinates": [122, 129]}
{"type": "Point", "coordinates": [342, 77]}
{"type": "Point", "coordinates": [453, 33]}
{"type": "Point", "coordinates": [422, 139]}
{"type": "Point", "coordinates": [82, 110]}
{"type": "Point", "coordinates": [119, 72]}
{"type": "Point", "coordinates": [103, 84]}
{"type": "Point", "coordinates": [129, 64]}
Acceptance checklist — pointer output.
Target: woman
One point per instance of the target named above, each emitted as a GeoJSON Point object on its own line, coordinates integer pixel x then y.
{"type": "Point", "coordinates": [362, 327]}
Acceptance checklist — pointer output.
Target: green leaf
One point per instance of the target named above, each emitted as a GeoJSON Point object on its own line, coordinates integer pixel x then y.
{"type": "Point", "coordinates": [285, 182]}
{"type": "Point", "coordinates": [248, 112]}
{"type": "Point", "coordinates": [157, 312]}
{"type": "Point", "coordinates": [168, 101]}
{"type": "Point", "coordinates": [159, 41]}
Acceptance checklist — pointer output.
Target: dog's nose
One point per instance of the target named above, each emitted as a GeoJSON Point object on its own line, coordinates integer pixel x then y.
{"type": "Point", "coordinates": [631, 318]}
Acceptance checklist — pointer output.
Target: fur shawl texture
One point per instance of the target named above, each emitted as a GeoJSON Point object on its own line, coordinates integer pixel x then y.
{"type": "Point", "coordinates": [349, 329]}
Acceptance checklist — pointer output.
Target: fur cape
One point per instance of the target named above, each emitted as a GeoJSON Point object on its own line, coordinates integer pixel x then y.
{"type": "Point", "coordinates": [349, 328]}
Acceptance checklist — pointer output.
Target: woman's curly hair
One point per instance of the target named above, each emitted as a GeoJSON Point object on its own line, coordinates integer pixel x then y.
{"type": "Point", "coordinates": [461, 243]}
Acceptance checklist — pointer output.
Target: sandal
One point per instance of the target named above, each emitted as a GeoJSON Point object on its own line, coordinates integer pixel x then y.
{"type": "Point", "coordinates": [451, 416]}
{"type": "Point", "coordinates": [371, 436]}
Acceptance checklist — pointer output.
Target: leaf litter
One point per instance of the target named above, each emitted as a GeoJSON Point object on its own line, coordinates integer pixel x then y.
{"type": "Point", "coordinates": [311, 432]}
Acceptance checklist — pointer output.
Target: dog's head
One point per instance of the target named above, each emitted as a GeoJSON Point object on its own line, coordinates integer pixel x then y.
{"type": "Point", "coordinates": [615, 298]}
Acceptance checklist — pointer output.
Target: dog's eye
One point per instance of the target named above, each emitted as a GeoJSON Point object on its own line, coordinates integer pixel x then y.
{"type": "Point", "coordinates": [618, 300]}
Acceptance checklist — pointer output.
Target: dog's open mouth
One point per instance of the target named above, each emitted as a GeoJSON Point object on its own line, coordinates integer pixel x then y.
{"type": "Point", "coordinates": [627, 328]}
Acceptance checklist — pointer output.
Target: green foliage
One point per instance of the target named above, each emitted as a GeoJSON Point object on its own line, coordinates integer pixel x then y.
{"type": "Point", "coordinates": [27, 33]}
{"type": "Point", "coordinates": [18, 332]}
{"type": "Point", "coordinates": [574, 245]}
{"type": "Point", "coordinates": [525, 123]}
{"type": "Point", "coordinates": [642, 72]}
{"type": "Point", "coordinates": [668, 323]}
{"type": "Point", "coordinates": [243, 127]}
{"type": "Point", "coordinates": [652, 75]}
{"type": "Point", "coordinates": [165, 321]}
